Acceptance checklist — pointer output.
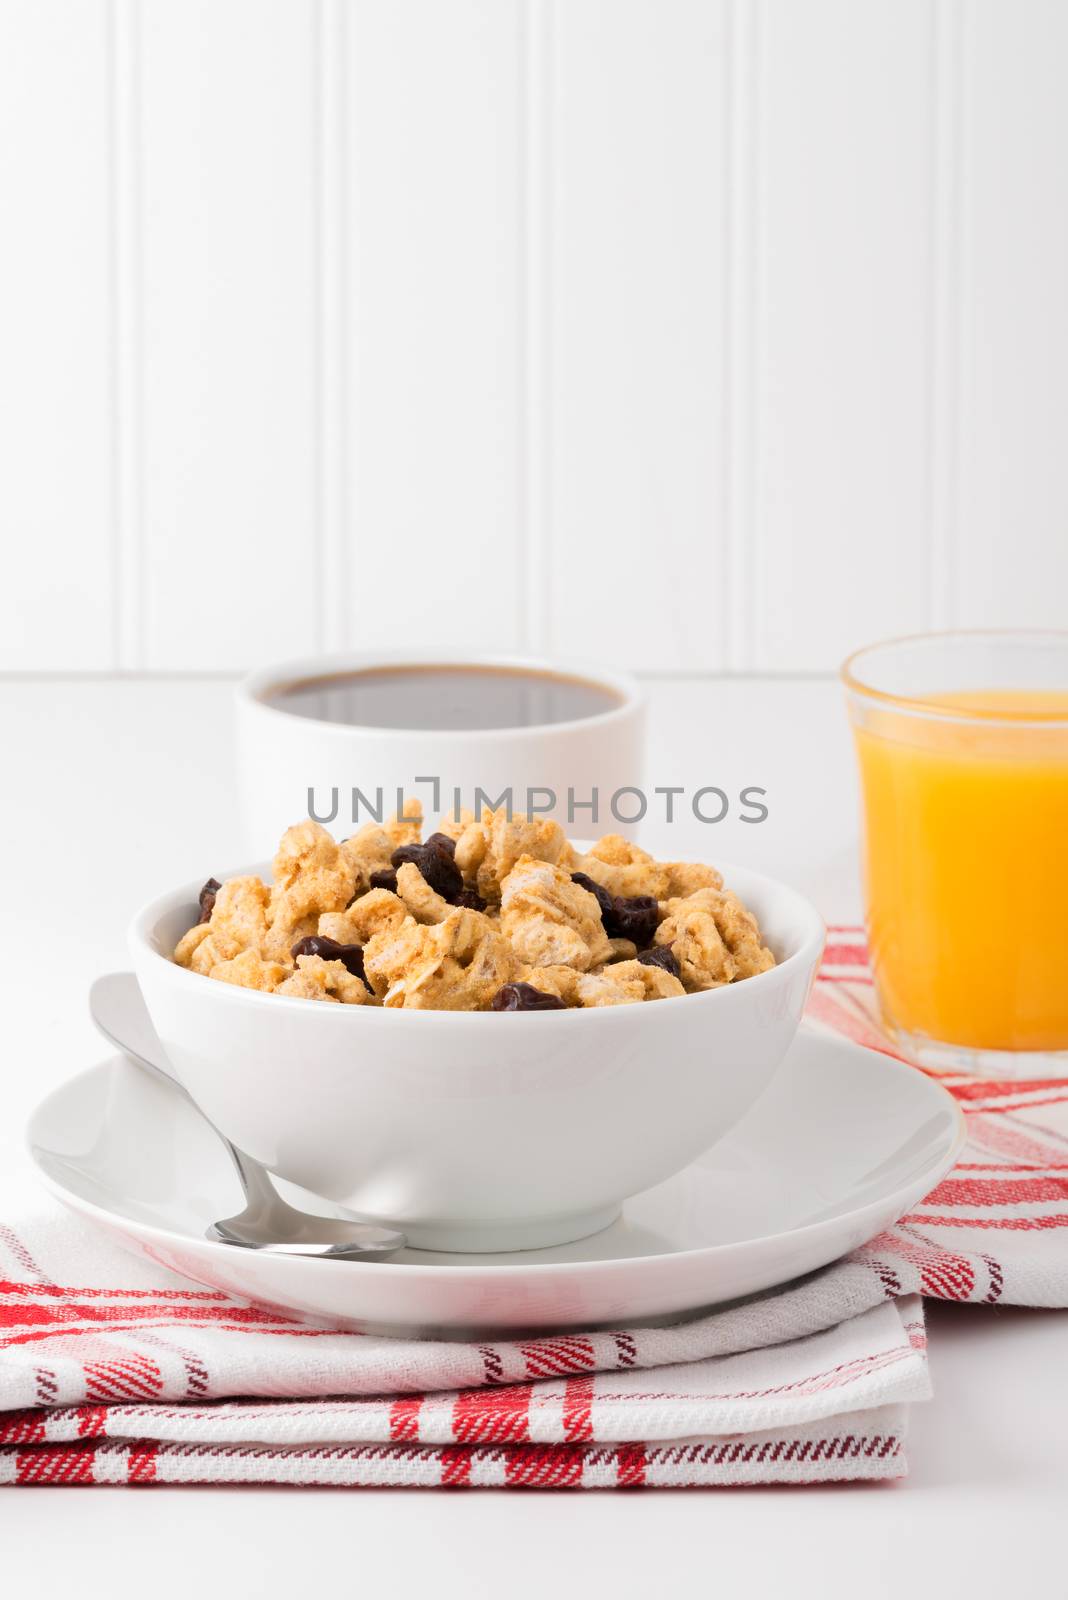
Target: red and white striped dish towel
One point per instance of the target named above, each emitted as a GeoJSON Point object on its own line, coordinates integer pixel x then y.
{"type": "Point", "coordinates": [113, 1370]}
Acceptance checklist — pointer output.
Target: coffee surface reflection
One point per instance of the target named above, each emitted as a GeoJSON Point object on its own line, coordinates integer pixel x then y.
{"type": "Point", "coordinates": [444, 698]}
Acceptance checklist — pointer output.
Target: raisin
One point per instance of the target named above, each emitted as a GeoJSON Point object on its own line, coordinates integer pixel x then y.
{"type": "Point", "coordinates": [633, 919]}
{"type": "Point", "coordinates": [386, 879]}
{"type": "Point", "coordinates": [602, 896]}
{"type": "Point", "coordinates": [524, 997]}
{"type": "Point", "coordinates": [434, 860]}
{"type": "Point", "coordinates": [350, 955]}
{"type": "Point", "coordinates": [443, 840]}
{"type": "Point", "coordinates": [661, 956]}
{"type": "Point", "coordinates": [469, 899]}
{"type": "Point", "coordinates": [207, 899]}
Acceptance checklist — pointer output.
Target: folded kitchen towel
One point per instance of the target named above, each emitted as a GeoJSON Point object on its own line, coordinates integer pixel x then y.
{"type": "Point", "coordinates": [116, 1370]}
{"type": "Point", "coordinates": [996, 1228]}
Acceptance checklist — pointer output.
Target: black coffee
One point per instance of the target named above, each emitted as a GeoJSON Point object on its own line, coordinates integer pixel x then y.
{"type": "Point", "coordinates": [444, 697]}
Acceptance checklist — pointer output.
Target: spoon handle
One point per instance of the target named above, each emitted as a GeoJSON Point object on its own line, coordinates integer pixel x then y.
{"type": "Point", "coordinates": [260, 1193]}
{"type": "Point", "coordinates": [119, 1013]}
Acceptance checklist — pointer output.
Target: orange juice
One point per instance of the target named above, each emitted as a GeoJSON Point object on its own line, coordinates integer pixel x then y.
{"type": "Point", "coordinates": [966, 866]}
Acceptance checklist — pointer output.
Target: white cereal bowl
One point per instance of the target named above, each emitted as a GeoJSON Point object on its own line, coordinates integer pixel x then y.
{"type": "Point", "coordinates": [479, 1131]}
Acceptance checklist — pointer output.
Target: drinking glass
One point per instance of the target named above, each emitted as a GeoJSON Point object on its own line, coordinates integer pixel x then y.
{"type": "Point", "coordinates": [962, 744]}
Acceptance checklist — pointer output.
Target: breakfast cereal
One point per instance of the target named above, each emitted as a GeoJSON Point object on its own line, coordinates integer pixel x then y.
{"type": "Point", "coordinates": [496, 913]}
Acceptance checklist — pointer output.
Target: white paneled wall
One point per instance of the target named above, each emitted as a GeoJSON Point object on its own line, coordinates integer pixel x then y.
{"type": "Point", "coordinates": [637, 132]}
{"type": "Point", "coordinates": [228, 282]}
{"type": "Point", "coordinates": [709, 335]}
{"type": "Point", "coordinates": [841, 272]}
{"type": "Point", "coordinates": [1011, 522]}
{"type": "Point", "coordinates": [57, 401]}
{"type": "Point", "coordinates": [432, 542]}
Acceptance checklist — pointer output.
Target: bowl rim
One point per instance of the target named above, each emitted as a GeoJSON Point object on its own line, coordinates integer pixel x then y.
{"type": "Point", "coordinates": [253, 689]}
{"type": "Point", "coordinates": [142, 932]}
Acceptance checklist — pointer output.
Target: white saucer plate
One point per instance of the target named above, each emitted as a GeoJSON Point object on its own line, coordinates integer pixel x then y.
{"type": "Point", "coordinates": [840, 1146]}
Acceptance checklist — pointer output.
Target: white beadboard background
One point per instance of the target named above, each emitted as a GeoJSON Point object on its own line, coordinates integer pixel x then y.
{"type": "Point", "coordinates": [700, 335]}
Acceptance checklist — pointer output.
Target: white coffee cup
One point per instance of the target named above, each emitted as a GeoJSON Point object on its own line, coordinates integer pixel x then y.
{"type": "Point", "coordinates": [291, 766]}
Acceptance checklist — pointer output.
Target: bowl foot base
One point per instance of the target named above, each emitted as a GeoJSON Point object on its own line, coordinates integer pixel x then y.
{"type": "Point", "coordinates": [493, 1238]}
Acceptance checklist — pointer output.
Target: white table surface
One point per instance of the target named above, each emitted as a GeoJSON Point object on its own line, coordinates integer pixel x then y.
{"type": "Point", "coordinates": [115, 790]}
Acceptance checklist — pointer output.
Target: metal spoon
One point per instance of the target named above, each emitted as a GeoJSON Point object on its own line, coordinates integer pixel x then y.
{"type": "Point", "coordinates": [268, 1222]}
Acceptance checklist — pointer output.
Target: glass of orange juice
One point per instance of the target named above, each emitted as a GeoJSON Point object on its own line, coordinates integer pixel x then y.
{"type": "Point", "coordinates": [962, 744]}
